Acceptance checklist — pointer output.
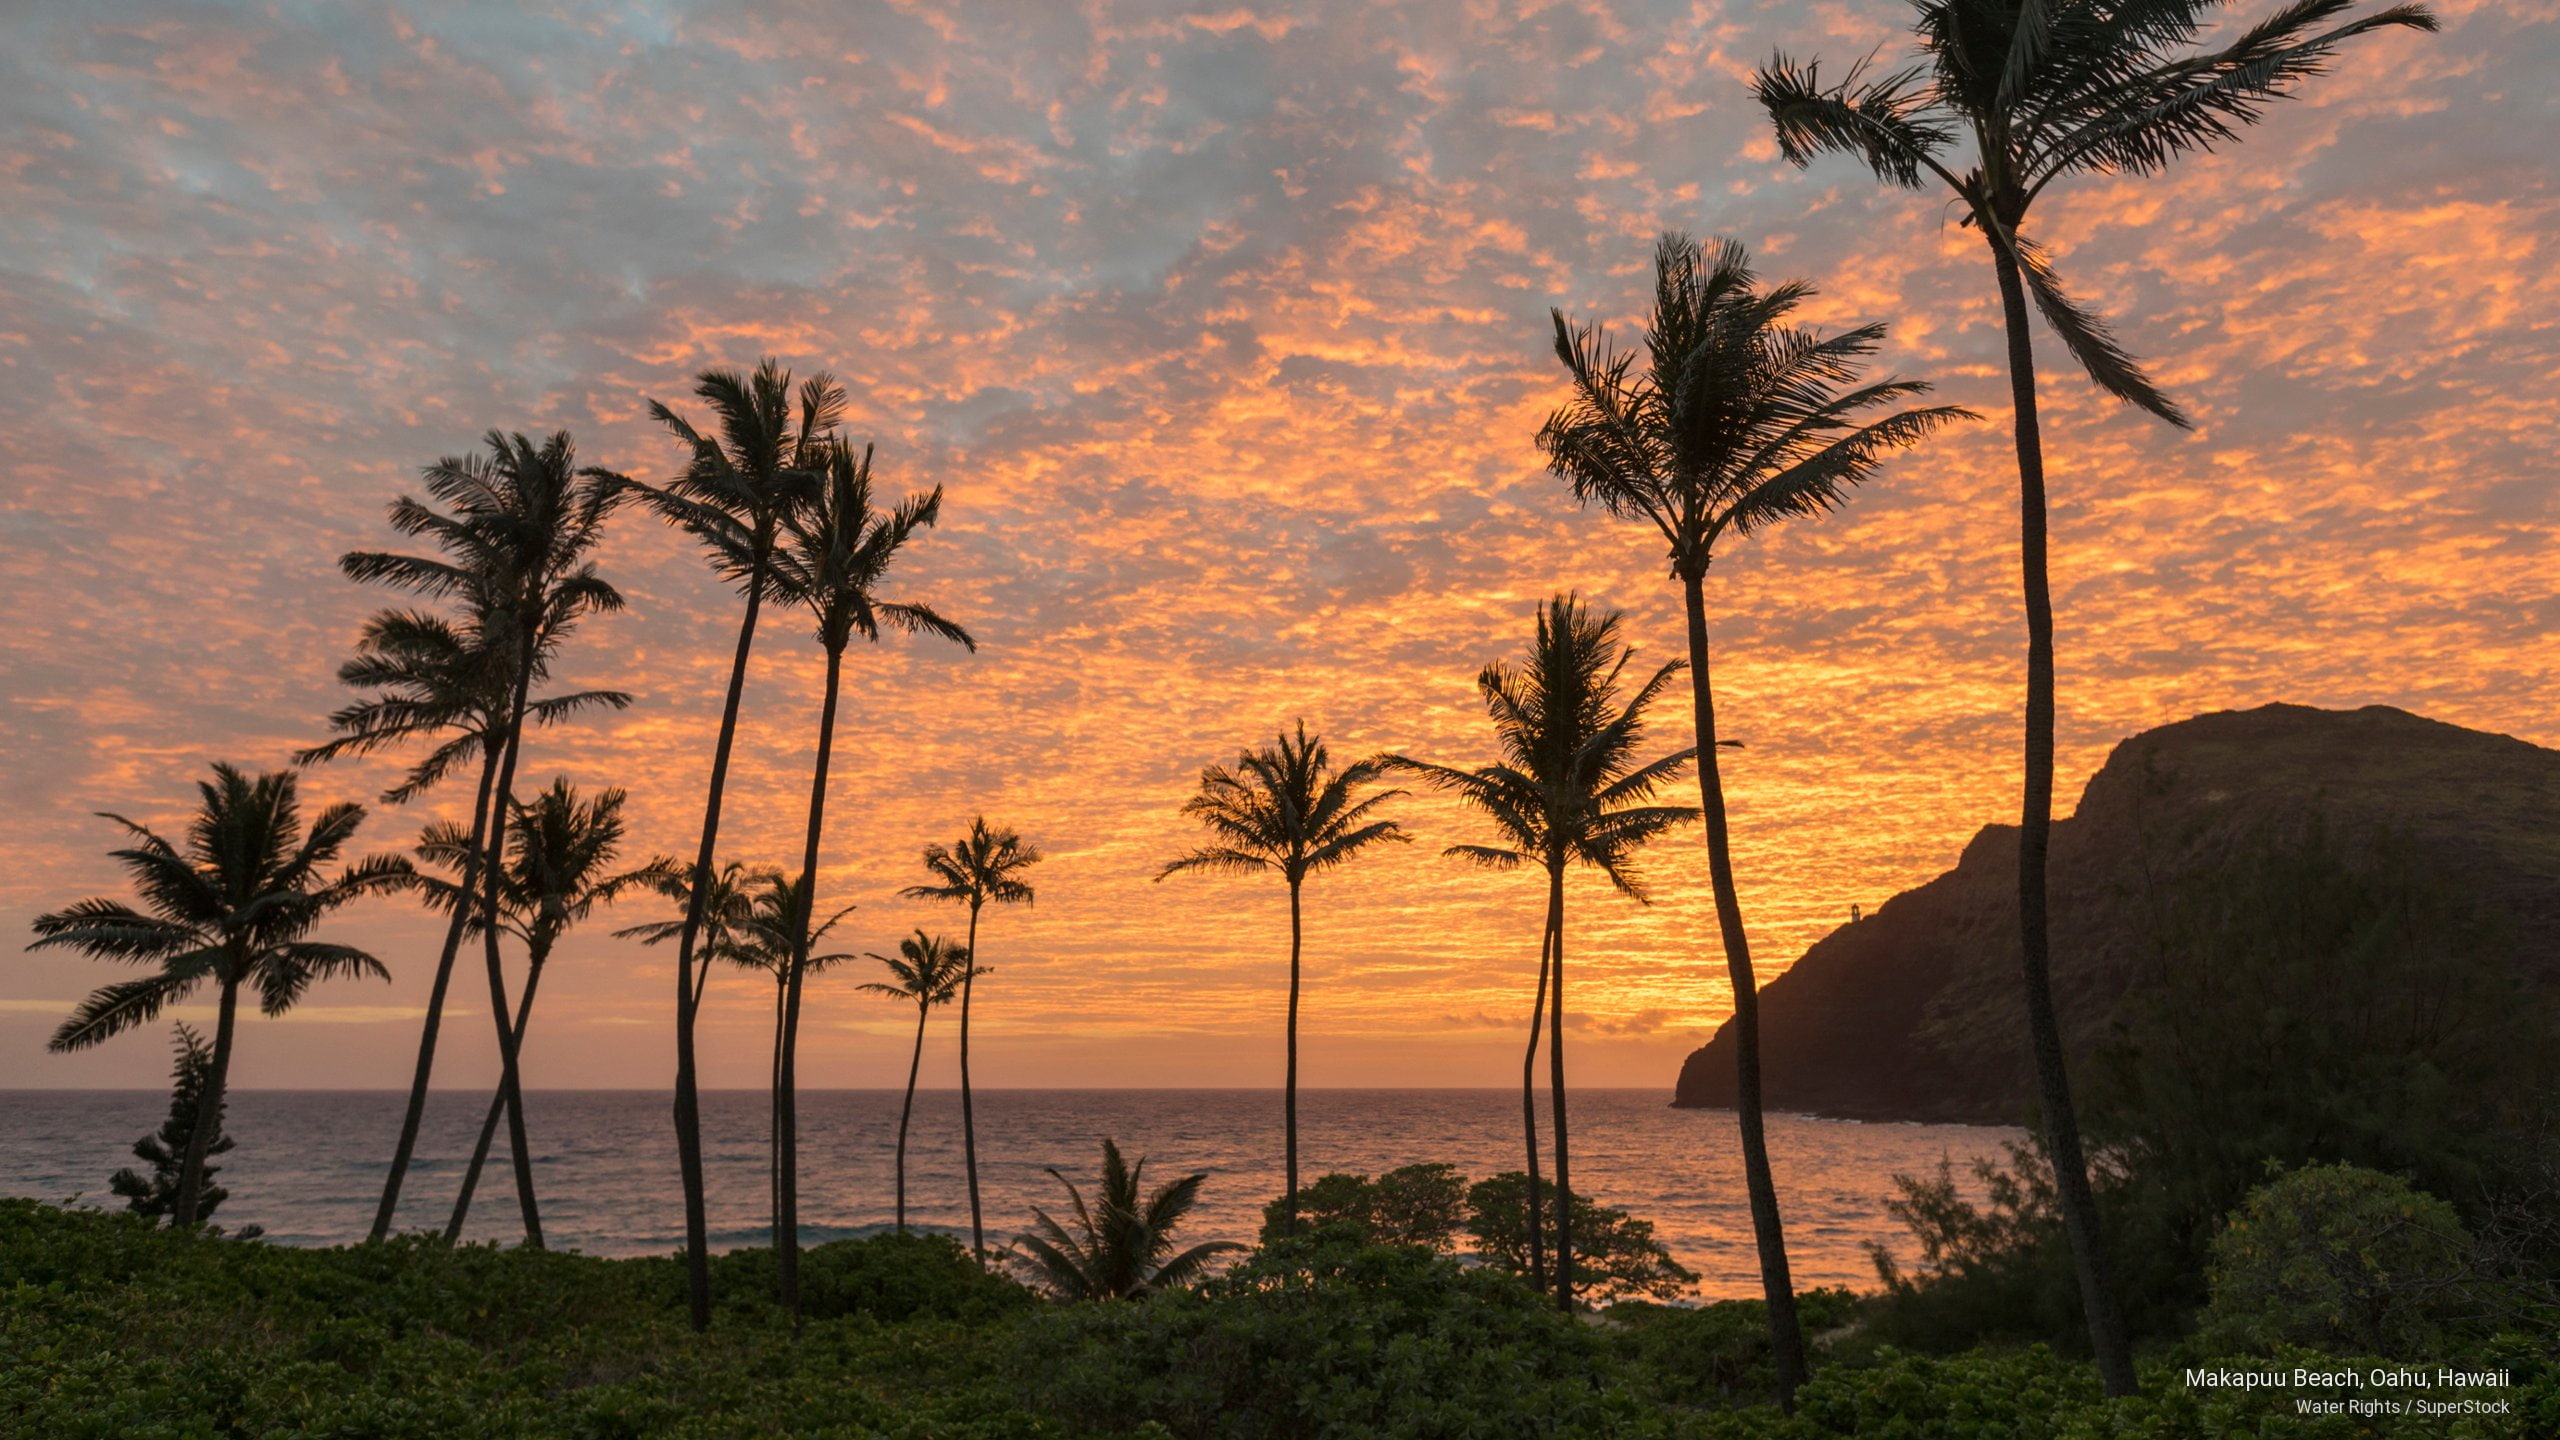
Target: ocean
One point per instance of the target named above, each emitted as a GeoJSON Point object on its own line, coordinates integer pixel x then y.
{"type": "Point", "coordinates": [309, 1164]}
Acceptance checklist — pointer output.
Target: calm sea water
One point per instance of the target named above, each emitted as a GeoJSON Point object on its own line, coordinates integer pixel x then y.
{"type": "Point", "coordinates": [309, 1164]}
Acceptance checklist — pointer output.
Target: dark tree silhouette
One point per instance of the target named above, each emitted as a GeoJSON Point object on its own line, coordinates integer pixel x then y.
{"type": "Point", "coordinates": [927, 971]}
{"type": "Point", "coordinates": [2007, 97]}
{"type": "Point", "coordinates": [1738, 421]}
{"type": "Point", "coordinates": [1568, 789]}
{"type": "Point", "coordinates": [984, 867]}
{"type": "Point", "coordinates": [165, 1149]}
{"type": "Point", "coordinates": [732, 495]}
{"type": "Point", "coordinates": [1283, 809]}
{"type": "Point", "coordinates": [235, 907]}
{"type": "Point", "coordinates": [836, 552]}
{"type": "Point", "coordinates": [1118, 1247]}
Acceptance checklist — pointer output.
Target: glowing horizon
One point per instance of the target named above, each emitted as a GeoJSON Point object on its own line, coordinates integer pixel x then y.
{"type": "Point", "coordinates": [1225, 334]}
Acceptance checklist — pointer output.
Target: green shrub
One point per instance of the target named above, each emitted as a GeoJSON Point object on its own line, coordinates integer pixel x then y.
{"type": "Point", "coordinates": [1615, 1256]}
{"type": "Point", "coordinates": [2338, 1258]}
{"type": "Point", "coordinates": [1716, 1354]}
{"type": "Point", "coordinates": [888, 1277]}
{"type": "Point", "coordinates": [1421, 1205]}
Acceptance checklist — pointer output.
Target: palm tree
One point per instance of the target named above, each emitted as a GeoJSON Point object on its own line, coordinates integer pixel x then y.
{"type": "Point", "coordinates": [524, 522]}
{"type": "Point", "coordinates": [434, 678]}
{"type": "Point", "coordinates": [774, 929]}
{"type": "Point", "coordinates": [1739, 420]}
{"type": "Point", "coordinates": [1567, 789]}
{"type": "Point", "coordinates": [2037, 90]}
{"type": "Point", "coordinates": [984, 867]}
{"type": "Point", "coordinates": [236, 906]}
{"type": "Point", "coordinates": [1284, 809]}
{"type": "Point", "coordinates": [1119, 1249]}
{"type": "Point", "coordinates": [732, 496]}
{"type": "Point", "coordinates": [837, 551]}
{"type": "Point", "coordinates": [929, 971]}
{"type": "Point", "coordinates": [557, 876]}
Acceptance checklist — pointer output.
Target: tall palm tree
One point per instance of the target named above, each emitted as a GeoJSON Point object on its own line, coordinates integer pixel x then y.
{"type": "Point", "coordinates": [524, 522]}
{"type": "Point", "coordinates": [983, 868]}
{"type": "Point", "coordinates": [1738, 420]}
{"type": "Point", "coordinates": [2007, 97]}
{"type": "Point", "coordinates": [432, 678]}
{"type": "Point", "coordinates": [1568, 789]}
{"type": "Point", "coordinates": [236, 905]}
{"type": "Point", "coordinates": [774, 930]}
{"type": "Point", "coordinates": [559, 872]}
{"type": "Point", "coordinates": [836, 552]}
{"type": "Point", "coordinates": [1121, 1247]}
{"type": "Point", "coordinates": [1283, 809]}
{"type": "Point", "coordinates": [732, 495]}
{"type": "Point", "coordinates": [928, 970]}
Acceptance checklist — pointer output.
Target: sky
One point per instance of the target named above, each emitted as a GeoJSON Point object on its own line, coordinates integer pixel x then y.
{"type": "Point", "coordinates": [1224, 332]}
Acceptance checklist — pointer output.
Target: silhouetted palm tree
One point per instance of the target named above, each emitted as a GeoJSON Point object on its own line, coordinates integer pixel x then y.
{"type": "Point", "coordinates": [435, 679]}
{"type": "Point", "coordinates": [1119, 1248]}
{"type": "Point", "coordinates": [764, 941]}
{"type": "Point", "coordinates": [985, 867]}
{"type": "Point", "coordinates": [836, 552]}
{"type": "Point", "coordinates": [562, 848]}
{"type": "Point", "coordinates": [2015, 95]}
{"type": "Point", "coordinates": [929, 971]}
{"type": "Point", "coordinates": [732, 496]}
{"type": "Point", "coordinates": [1567, 789]}
{"type": "Point", "coordinates": [1738, 420]}
{"type": "Point", "coordinates": [524, 521]}
{"type": "Point", "coordinates": [1283, 809]}
{"type": "Point", "coordinates": [234, 907]}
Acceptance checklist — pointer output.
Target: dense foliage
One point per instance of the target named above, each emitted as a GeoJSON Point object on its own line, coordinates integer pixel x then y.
{"type": "Point", "coordinates": [2341, 1258]}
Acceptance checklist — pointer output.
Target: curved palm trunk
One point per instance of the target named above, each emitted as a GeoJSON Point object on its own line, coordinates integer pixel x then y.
{"type": "Point", "coordinates": [773, 1113]}
{"type": "Point", "coordinates": [688, 1102]}
{"type": "Point", "coordinates": [787, 1090]}
{"type": "Point", "coordinates": [1555, 1092]}
{"type": "Point", "coordinates": [905, 1112]}
{"type": "Point", "coordinates": [1529, 1106]}
{"type": "Point", "coordinates": [510, 1081]}
{"type": "Point", "coordinates": [384, 1213]}
{"type": "Point", "coordinates": [1777, 1285]}
{"type": "Point", "coordinates": [968, 1109]}
{"type": "Point", "coordinates": [2035, 837]}
{"type": "Point", "coordinates": [1289, 1100]}
{"type": "Point", "coordinates": [497, 1108]}
{"type": "Point", "coordinates": [182, 1215]}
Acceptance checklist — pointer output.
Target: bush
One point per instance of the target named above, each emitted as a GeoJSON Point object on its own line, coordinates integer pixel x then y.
{"type": "Point", "coordinates": [1717, 1354]}
{"type": "Point", "coordinates": [888, 1277]}
{"type": "Point", "coordinates": [2338, 1258]}
{"type": "Point", "coordinates": [1419, 1205]}
{"type": "Point", "coordinates": [1615, 1256]}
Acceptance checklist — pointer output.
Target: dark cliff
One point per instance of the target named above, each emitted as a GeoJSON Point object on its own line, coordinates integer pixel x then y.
{"type": "Point", "coordinates": [1913, 1012]}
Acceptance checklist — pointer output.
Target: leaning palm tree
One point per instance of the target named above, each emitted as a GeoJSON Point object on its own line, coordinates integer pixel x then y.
{"type": "Point", "coordinates": [1284, 810]}
{"type": "Point", "coordinates": [1120, 1248]}
{"type": "Point", "coordinates": [1738, 420]}
{"type": "Point", "coordinates": [432, 678]}
{"type": "Point", "coordinates": [2008, 97]}
{"type": "Point", "coordinates": [984, 867]}
{"type": "Point", "coordinates": [559, 872]}
{"type": "Point", "coordinates": [1568, 789]}
{"type": "Point", "coordinates": [236, 905]}
{"type": "Point", "coordinates": [773, 929]}
{"type": "Point", "coordinates": [928, 970]}
{"type": "Point", "coordinates": [836, 553]}
{"type": "Point", "coordinates": [518, 536]}
{"type": "Point", "coordinates": [732, 495]}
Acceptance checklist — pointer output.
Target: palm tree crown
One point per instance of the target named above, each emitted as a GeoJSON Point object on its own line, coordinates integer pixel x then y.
{"type": "Point", "coordinates": [558, 870]}
{"type": "Point", "coordinates": [927, 971]}
{"type": "Point", "coordinates": [2038, 90]}
{"type": "Point", "coordinates": [1738, 419]}
{"type": "Point", "coordinates": [1119, 1247]}
{"type": "Point", "coordinates": [729, 906]}
{"type": "Point", "coordinates": [766, 935]}
{"type": "Point", "coordinates": [1283, 808]}
{"type": "Point", "coordinates": [235, 905]}
{"type": "Point", "coordinates": [981, 868]}
{"type": "Point", "coordinates": [836, 549]}
{"type": "Point", "coordinates": [763, 463]}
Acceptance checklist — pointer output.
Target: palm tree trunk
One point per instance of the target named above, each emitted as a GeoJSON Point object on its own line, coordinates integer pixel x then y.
{"type": "Point", "coordinates": [497, 1107]}
{"type": "Point", "coordinates": [510, 1076]}
{"type": "Point", "coordinates": [2035, 838]}
{"type": "Point", "coordinates": [968, 1110]}
{"type": "Point", "coordinates": [1289, 1097]}
{"type": "Point", "coordinates": [787, 1111]}
{"type": "Point", "coordinates": [1529, 1107]}
{"type": "Point", "coordinates": [409, 1122]}
{"type": "Point", "coordinates": [773, 1116]}
{"type": "Point", "coordinates": [182, 1215]}
{"type": "Point", "coordinates": [1777, 1284]}
{"type": "Point", "coordinates": [905, 1112]}
{"type": "Point", "coordinates": [1555, 1091]}
{"type": "Point", "coordinates": [688, 1103]}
